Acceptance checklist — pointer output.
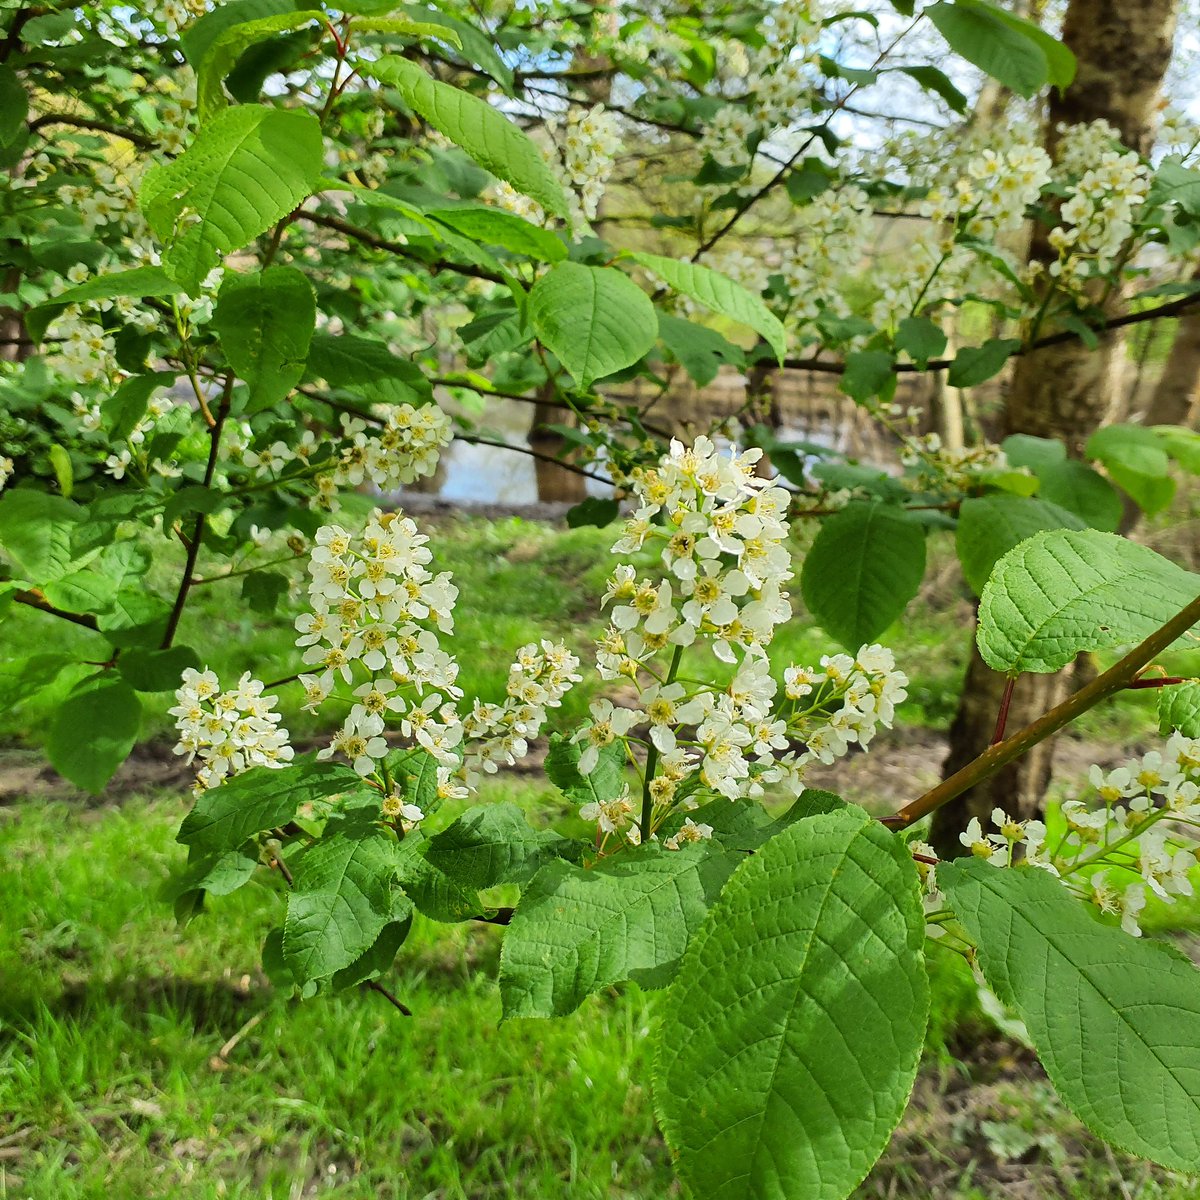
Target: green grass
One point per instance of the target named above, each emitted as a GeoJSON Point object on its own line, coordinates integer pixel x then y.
{"type": "Point", "coordinates": [112, 1020]}
{"type": "Point", "coordinates": [113, 1083]}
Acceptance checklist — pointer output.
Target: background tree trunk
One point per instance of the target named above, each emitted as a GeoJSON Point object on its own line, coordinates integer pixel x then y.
{"type": "Point", "coordinates": [1173, 401]}
{"type": "Point", "coordinates": [1062, 391]}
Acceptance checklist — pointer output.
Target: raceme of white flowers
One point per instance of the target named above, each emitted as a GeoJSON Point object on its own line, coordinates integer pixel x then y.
{"type": "Point", "coordinates": [1139, 833]}
{"type": "Point", "coordinates": [229, 731]}
{"type": "Point", "coordinates": [714, 534]}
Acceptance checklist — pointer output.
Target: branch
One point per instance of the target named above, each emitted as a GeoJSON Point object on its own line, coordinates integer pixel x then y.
{"type": "Point", "coordinates": [529, 450]}
{"type": "Point", "coordinates": [138, 139]}
{"type": "Point", "coordinates": [1002, 753]}
{"type": "Point", "coordinates": [35, 599]}
{"type": "Point", "coordinates": [1160, 312]}
{"type": "Point", "coordinates": [367, 238]}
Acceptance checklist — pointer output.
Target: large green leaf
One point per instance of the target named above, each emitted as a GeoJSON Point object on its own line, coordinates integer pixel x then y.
{"type": "Point", "coordinates": [720, 294]}
{"type": "Point", "coordinates": [1179, 708]}
{"type": "Point", "coordinates": [197, 39]}
{"type": "Point", "coordinates": [265, 322]}
{"type": "Point", "coordinates": [1078, 488]}
{"type": "Point", "coordinates": [494, 227]}
{"type": "Point", "coordinates": [1137, 460]}
{"type": "Point", "coordinates": [864, 567]}
{"type": "Point", "coordinates": [596, 320]}
{"type": "Point", "coordinates": [562, 769]}
{"type": "Point", "coordinates": [260, 798]}
{"type": "Point", "coordinates": [341, 899]}
{"type": "Point", "coordinates": [629, 917]}
{"type": "Point", "coordinates": [1115, 1020]}
{"type": "Point", "coordinates": [990, 526]}
{"type": "Point", "coordinates": [36, 533]}
{"type": "Point", "coordinates": [791, 1037]}
{"type": "Point", "coordinates": [14, 106]}
{"type": "Point", "coordinates": [246, 169]}
{"type": "Point", "coordinates": [489, 137]}
{"type": "Point", "coordinates": [699, 350]}
{"type": "Point", "coordinates": [93, 733]}
{"type": "Point", "coordinates": [435, 894]}
{"type": "Point", "coordinates": [998, 49]}
{"type": "Point", "coordinates": [1063, 591]}
{"type": "Point", "coordinates": [368, 367]}
{"type": "Point", "coordinates": [229, 46]}
{"type": "Point", "coordinates": [494, 843]}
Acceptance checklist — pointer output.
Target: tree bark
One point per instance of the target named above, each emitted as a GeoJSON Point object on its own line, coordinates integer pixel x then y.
{"type": "Point", "coordinates": [1062, 391]}
{"type": "Point", "coordinates": [1173, 401]}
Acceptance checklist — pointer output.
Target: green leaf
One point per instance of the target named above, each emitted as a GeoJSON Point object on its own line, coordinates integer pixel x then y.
{"type": "Point", "coordinates": [229, 45]}
{"type": "Point", "coordinates": [197, 39]}
{"type": "Point", "coordinates": [1059, 58]}
{"type": "Point", "coordinates": [381, 954]}
{"type": "Point", "coordinates": [36, 532]}
{"type": "Point", "coordinates": [477, 46]}
{"type": "Point", "coordinates": [494, 227]}
{"type": "Point", "coordinates": [95, 588]}
{"type": "Point", "coordinates": [1182, 444]}
{"type": "Point", "coordinates": [64, 472]}
{"type": "Point", "coordinates": [489, 137]}
{"type": "Point", "coordinates": [341, 900]}
{"type": "Point", "coordinates": [127, 405]}
{"type": "Point", "coordinates": [1179, 709]}
{"type": "Point", "coordinates": [719, 294]}
{"type": "Point", "coordinates": [1063, 592]}
{"type": "Point", "coordinates": [920, 338]}
{"type": "Point", "coordinates": [1115, 1020]}
{"type": "Point", "coordinates": [14, 106]}
{"type": "Point", "coordinates": [368, 367]}
{"type": "Point", "coordinates": [977, 364]}
{"type": "Point", "coordinates": [593, 511]}
{"type": "Point", "coordinates": [699, 350]}
{"type": "Point", "coordinates": [562, 769]}
{"type": "Point", "coordinates": [1076, 487]}
{"type": "Point", "coordinates": [156, 670]}
{"type": "Point", "coordinates": [1176, 183]}
{"type": "Point", "coordinates": [791, 1037]}
{"type": "Point", "coordinates": [1136, 459]}
{"type": "Point", "coordinates": [595, 319]}
{"type": "Point", "coordinates": [1024, 450]}
{"type": "Point", "coordinates": [262, 590]}
{"type": "Point", "coordinates": [436, 894]}
{"type": "Point", "coordinates": [246, 169]}
{"type": "Point", "coordinates": [990, 526]}
{"type": "Point", "coordinates": [629, 917]}
{"type": "Point", "coordinates": [137, 281]}
{"type": "Point", "coordinates": [265, 322]}
{"type": "Point", "coordinates": [938, 82]}
{"type": "Point", "coordinates": [494, 843]}
{"type": "Point", "coordinates": [865, 565]}
{"type": "Point", "coordinates": [221, 874]}
{"type": "Point", "coordinates": [93, 733]}
{"type": "Point", "coordinates": [403, 27]}
{"type": "Point", "coordinates": [868, 374]}
{"type": "Point", "coordinates": [260, 798]}
{"type": "Point", "coordinates": [1007, 54]}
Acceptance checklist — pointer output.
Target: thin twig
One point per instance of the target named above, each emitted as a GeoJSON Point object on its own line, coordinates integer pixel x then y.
{"type": "Point", "coordinates": [1002, 715]}
{"type": "Point", "coordinates": [375, 986]}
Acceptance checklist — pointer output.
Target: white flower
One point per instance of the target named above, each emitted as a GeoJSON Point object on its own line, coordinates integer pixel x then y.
{"type": "Point", "coordinates": [608, 724]}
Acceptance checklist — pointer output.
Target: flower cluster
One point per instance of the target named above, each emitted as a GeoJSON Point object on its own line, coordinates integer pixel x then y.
{"type": "Point", "coordinates": [993, 193]}
{"type": "Point", "coordinates": [1140, 835]}
{"type": "Point", "coordinates": [589, 145]}
{"type": "Point", "coordinates": [495, 734]}
{"type": "Point", "coordinates": [228, 731]}
{"type": "Point", "coordinates": [717, 532]}
{"type": "Point", "coordinates": [405, 449]}
{"type": "Point", "coordinates": [833, 234]}
{"type": "Point", "coordinates": [376, 613]}
{"type": "Point", "coordinates": [7, 469]}
{"type": "Point", "coordinates": [1101, 206]}
{"type": "Point", "coordinates": [947, 468]}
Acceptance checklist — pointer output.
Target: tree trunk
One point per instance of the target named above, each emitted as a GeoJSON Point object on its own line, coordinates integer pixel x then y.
{"type": "Point", "coordinates": [1062, 391]}
{"type": "Point", "coordinates": [1175, 394]}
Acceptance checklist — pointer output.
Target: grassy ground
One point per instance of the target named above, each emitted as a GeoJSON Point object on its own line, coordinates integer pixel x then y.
{"type": "Point", "coordinates": [140, 1060]}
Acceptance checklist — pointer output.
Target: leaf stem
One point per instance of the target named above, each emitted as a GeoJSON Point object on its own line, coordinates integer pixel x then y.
{"type": "Point", "coordinates": [647, 820]}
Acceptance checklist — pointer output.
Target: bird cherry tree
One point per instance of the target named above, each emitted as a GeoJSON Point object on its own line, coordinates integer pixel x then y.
{"type": "Point", "coordinates": [242, 245]}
